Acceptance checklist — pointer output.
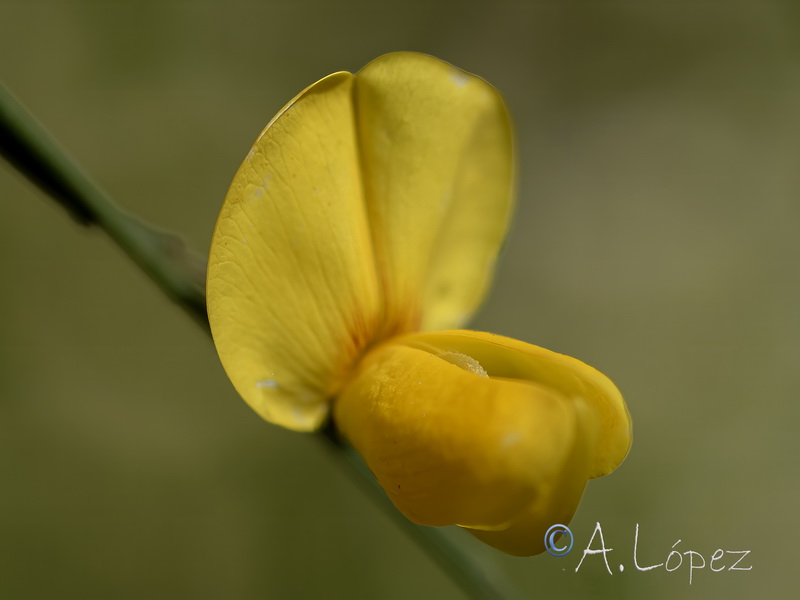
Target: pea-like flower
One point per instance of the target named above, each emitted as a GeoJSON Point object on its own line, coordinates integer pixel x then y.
{"type": "Point", "coordinates": [360, 231]}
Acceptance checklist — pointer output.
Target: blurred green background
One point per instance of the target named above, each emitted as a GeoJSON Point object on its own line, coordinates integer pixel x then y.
{"type": "Point", "coordinates": [656, 238]}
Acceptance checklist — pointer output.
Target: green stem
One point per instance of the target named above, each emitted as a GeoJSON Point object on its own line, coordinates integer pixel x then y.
{"type": "Point", "coordinates": [160, 254]}
{"type": "Point", "coordinates": [180, 273]}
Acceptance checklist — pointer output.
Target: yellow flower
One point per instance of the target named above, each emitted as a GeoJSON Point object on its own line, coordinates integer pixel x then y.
{"type": "Point", "coordinates": [367, 217]}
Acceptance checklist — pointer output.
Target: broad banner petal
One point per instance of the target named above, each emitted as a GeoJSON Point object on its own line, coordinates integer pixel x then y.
{"type": "Point", "coordinates": [292, 288]}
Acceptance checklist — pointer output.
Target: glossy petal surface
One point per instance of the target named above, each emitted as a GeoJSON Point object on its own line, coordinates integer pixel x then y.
{"type": "Point", "coordinates": [482, 431]}
{"type": "Point", "coordinates": [556, 502]}
{"type": "Point", "coordinates": [505, 357]}
{"type": "Point", "coordinates": [450, 446]}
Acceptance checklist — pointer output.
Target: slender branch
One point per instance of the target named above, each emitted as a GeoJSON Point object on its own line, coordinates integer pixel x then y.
{"type": "Point", "coordinates": [180, 274]}
{"type": "Point", "coordinates": [160, 254]}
